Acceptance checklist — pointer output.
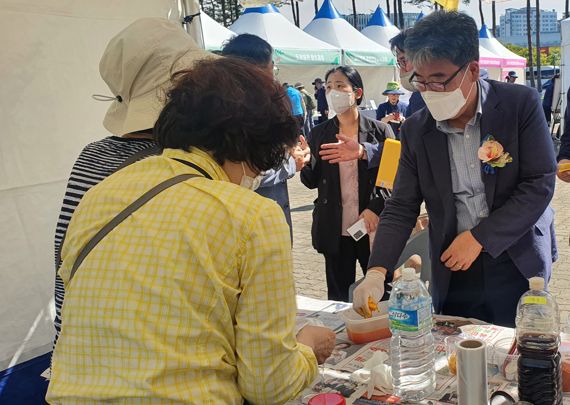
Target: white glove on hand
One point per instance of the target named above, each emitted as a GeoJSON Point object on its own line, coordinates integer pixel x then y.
{"type": "Point", "coordinates": [372, 286]}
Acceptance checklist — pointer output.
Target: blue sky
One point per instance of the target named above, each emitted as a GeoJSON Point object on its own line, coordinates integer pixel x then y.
{"type": "Point", "coordinates": [345, 6]}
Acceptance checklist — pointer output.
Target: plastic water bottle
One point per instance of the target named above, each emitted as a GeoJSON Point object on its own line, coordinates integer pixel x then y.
{"type": "Point", "coordinates": [538, 339]}
{"type": "Point", "coordinates": [412, 352]}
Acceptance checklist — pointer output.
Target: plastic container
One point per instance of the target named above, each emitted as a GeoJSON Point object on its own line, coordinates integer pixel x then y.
{"type": "Point", "coordinates": [505, 359]}
{"type": "Point", "coordinates": [360, 330]}
{"type": "Point", "coordinates": [327, 399]}
{"type": "Point", "coordinates": [538, 340]}
{"type": "Point", "coordinates": [412, 351]}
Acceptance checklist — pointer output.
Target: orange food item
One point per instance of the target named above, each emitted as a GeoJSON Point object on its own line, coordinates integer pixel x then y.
{"type": "Point", "coordinates": [366, 337]}
{"type": "Point", "coordinates": [372, 305]}
{"type": "Point", "coordinates": [452, 363]}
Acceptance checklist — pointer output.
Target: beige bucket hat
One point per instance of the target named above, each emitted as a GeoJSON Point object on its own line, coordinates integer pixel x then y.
{"type": "Point", "coordinates": [137, 65]}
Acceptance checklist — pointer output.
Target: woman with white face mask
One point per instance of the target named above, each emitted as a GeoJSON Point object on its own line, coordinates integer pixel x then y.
{"type": "Point", "coordinates": [345, 182]}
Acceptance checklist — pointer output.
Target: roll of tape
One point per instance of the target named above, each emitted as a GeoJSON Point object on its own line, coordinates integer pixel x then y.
{"type": "Point", "coordinates": [471, 372]}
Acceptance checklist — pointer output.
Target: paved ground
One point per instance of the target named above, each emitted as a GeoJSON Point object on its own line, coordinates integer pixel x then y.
{"type": "Point", "coordinates": [310, 269]}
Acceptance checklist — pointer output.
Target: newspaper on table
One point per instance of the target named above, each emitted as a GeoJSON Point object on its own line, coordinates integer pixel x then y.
{"type": "Point", "coordinates": [336, 375]}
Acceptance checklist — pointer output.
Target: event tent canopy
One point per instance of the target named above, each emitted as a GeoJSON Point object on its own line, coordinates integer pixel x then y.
{"type": "Point", "coordinates": [214, 33]}
{"type": "Point", "coordinates": [508, 59]}
{"type": "Point", "coordinates": [358, 50]}
{"type": "Point", "coordinates": [380, 29]}
{"type": "Point", "coordinates": [291, 45]}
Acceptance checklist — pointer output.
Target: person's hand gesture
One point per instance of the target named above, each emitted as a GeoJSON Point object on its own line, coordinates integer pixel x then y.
{"type": "Point", "coordinates": [318, 338]}
{"type": "Point", "coordinates": [344, 150]}
{"type": "Point", "coordinates": [462, 252]}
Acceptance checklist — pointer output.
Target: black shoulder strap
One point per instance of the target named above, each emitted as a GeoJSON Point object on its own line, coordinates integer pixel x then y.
{"type": "Point", "coordinates": [193, 166]}
{"type": "Point", "coordinates": [141, 154]}
{"type": "Point", "coordinates": [124, 214]}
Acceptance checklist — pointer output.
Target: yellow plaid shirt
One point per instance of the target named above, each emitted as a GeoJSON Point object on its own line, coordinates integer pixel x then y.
{"type": "Point", "coordinates": [190, 300]}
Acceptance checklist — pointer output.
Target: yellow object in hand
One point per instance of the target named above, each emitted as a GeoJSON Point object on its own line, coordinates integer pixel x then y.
{"type": "Point", "coordinates": [563, 167]}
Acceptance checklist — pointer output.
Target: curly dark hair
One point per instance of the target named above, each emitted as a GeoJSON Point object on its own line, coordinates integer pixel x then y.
{"type": "Point", "coordinates": [230, 108]}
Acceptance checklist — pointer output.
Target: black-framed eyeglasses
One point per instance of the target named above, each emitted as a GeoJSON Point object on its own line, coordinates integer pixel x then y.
{"type": "Point", "coordinates": [434, 86]}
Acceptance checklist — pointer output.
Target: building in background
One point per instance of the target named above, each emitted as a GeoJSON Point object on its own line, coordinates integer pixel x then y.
{"type": "Point", "coordinates": [513, 29]}
{"type": "Point", "coordinates": [363, 19]}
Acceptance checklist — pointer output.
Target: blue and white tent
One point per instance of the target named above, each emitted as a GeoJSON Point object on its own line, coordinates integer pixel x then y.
{"type": "Point", "coordinates": [380, 29]}
{"type": "Point", "coordinates": [509, 60]}
{"type": "Point", "coordinates": [357, 50]}
{"type": "Point", "coordinates": [292, 45]}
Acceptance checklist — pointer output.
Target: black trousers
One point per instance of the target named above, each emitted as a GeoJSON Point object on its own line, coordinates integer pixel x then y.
{"type": "Point", "coordinates": [489, 290]}
{"type": "Point", "coordinates": [341, 267]}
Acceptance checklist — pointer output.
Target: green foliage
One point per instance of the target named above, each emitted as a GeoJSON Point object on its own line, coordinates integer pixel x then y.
{"type": "Point", "coordinates": [552, 59]}
{"type": "Point", "coordinates": [223, 11]}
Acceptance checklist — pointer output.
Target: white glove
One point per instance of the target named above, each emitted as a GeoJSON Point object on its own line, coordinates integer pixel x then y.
{"type": "Point", "coordinates": [372, 286]}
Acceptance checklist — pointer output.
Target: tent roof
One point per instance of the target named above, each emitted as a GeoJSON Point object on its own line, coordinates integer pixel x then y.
{"type": "Point", "coordinates": [380, 29]}
{"type": "Point", "coordinates": [489, 42]}
{"type": "Point", "coordinates": [292, 44]}
{"type": "Point", "coordinates": [215, 34]}
{"type": "Point", "coordinates": [338, 32]}
{"type": "Point", "coordinates": [380, 19]}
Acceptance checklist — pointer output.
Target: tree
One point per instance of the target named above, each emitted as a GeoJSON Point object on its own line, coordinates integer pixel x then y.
{"type": "Point", "coordinates": [401, 14]}
{"type": "Point", "coordinates": [354, 14]}
{"type": "Point", "coordinates": [538, 73]}
{"type": "Point", "coordinates": [388, 7]}
{"type": "Point", "coordinates": [529, 41]}
{"type": "Point", "coordinates": [316, 6]}
{"type": "Point", "coordinates": [223, 11]}
{"type": "Point", "coordinates": [481, 12]}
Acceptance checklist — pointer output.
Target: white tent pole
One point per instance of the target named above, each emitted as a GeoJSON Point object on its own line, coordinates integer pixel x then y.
{"type": "Point", "coordinates": [192, 21]}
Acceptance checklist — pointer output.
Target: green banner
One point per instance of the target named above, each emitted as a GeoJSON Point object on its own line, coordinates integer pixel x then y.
{"type": "Point", "coordinates": [366, 58]}
{"type": "Point", "coordinates": [306, 57]}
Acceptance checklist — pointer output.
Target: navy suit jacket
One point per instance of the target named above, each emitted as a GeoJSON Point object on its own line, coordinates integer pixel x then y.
{"type": "Point", "coordinates": [520, 221]}
{"type": "Point", "coordinates": [565, 139]}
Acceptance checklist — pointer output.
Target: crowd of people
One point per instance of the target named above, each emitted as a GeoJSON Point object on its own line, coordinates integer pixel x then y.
{"type": "Point", "coordinates": [173, 247]}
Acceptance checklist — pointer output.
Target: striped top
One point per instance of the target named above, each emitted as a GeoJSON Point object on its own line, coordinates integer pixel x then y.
{"type": "Point", "coordinates": [466, 173]}
{"type": "Point", "coordinates": [95, 162]}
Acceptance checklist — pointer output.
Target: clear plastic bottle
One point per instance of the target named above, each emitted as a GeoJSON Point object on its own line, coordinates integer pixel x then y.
{"type": "Point", "coordinates": [412, 352]}
{"type": "Point", "coordinates": [538, 339]}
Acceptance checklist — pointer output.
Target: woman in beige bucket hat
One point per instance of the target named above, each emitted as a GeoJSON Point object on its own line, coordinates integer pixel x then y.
{"type": "Point", "coordinates": [136, 65]}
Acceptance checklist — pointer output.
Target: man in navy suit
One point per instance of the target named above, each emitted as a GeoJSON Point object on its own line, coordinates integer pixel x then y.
{"type": "Point", "coordinates": [491, 227]}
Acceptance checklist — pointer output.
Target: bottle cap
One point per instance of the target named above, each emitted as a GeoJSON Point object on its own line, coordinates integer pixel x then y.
{"type": "Point", "coordinates": [409, 274]}
{"type": "Point", "coordinates": [536, 283]}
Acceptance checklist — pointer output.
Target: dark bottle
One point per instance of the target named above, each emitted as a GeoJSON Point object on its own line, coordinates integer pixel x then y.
{"type": "Point", "coordinates": [538, 339]}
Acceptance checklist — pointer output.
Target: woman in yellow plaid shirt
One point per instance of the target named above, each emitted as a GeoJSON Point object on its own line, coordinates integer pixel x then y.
{"type": "Point", "coordinates": [191, 299]}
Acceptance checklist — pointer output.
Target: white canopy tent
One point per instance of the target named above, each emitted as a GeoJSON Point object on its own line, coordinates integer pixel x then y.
{"type": "Point", "coordinates": [215, 34]}
{"type": "Point", "coordinates": [565, 66]}
{"type": "Point", "coordinates": [491, 62]}
{"type": "Point", "coordinates": [509, 60]}
{"type": "Point", "coordinates": [380, 29]}
{"type": "Point", "coordinates": [299, 56]}
{"type": "Point", "coordinates": [374, 62]}
{"type": "Point", "coordinates": [51, 51]}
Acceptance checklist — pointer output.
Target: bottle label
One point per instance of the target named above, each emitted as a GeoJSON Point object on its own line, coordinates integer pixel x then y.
{"type": "Point", "coordinates": [535, 300]}
{"type": "Point", "coordinates": [410, 320]}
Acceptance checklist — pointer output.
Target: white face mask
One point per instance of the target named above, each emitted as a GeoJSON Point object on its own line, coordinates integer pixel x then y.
{"type": "Point", "coordinates": [405, 81]}
{"type": "Point", "coordinates": [251, 183]}
{"type": "Point", "coordinates": [340, 101]}
{"type": "Point", "coordinates": [445, 105]}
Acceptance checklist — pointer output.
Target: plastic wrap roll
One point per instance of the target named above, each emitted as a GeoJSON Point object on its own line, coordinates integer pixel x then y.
{"type": "Point", "coordinates": [471, 372]}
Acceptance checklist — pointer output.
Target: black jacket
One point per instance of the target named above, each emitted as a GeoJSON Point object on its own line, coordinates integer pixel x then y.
{"type": "Point", "coordinates": [565, 139]}
{"type": "Point", "coordinates": [327, 215]}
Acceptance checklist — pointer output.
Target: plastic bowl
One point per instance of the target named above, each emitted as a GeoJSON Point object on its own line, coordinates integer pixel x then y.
{"type": "Point", "coordinates": [361, 330]}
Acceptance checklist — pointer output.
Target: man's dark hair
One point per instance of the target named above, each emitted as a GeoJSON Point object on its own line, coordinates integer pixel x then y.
{"type": "Point", "coordinates": [443, 35]}
{"type": "Point", "coordinates": [230, 108]}
{"type": "Point", "coordinates": [249, 47]}
{"type": "Point", "coordinates": [397, 42]}
{"type": "Point", "coordinates": [353, 77]}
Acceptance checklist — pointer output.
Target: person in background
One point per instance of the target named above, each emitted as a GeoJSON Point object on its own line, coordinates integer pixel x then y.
{"type": "Point", "coordinates": [511, 77]}
{"type": "Point", "coordinates": [393, 111]}
{"type": "Point", "coordinates": [320, 96]}
{"type": "Point", "coordinates": [471, 156]}
{"type": "Point", "coordinates": [344, 187]}
{"type": "Point", "coordinates": [191, 299]}
{"type": "Point", "coordinates": [310, 105]}
{"type": "Point", "coordinates": [299, 109]}
{"type": "Point", "coordinates": [258, 52]}
{"type": "Point", "coordinates": [564, 153]}
{"type": "Point", "coordinates": [135, 107]}
{"type": "Point", "coordinates": [406, 71]}
{"type": "Point", "coordinates": [548, 97]}
{"type": "Point", "coordinates": [483, 74]}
